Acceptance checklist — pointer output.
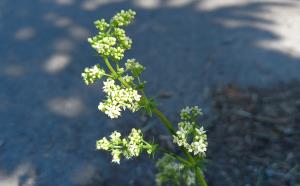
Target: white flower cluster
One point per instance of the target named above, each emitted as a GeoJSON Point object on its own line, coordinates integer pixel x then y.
{"type": "Point", "coordinates": [118, 99]}
{"type": "Point", "coordinates": [90, 75]}
{"type": "Point", "coordinates": [189, 136]}
{"type": "Point", "coordinates": [129, 147]}
{"type": "Point", "coordinates": [173, 173]}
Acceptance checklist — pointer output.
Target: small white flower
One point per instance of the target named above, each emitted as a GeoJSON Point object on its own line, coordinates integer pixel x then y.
{"type": "Point", "coordinates": [103, 144]}
{"type": "Point", "coordinates": [199, 147]}
{"type": "Point", "coordinates": [188, 113]}
{"type": "Point", "coordinates": [115, 136]}
{"type": "Point", "coordinates": [101, 107]}
{"type": "Point", "coordinates": [116, 156]}
{"type": "Point", "coordinates": [112, 111]}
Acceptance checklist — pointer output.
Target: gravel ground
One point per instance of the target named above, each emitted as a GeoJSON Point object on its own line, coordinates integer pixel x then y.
{"type": "Point", "coordinates": [49, 119]}
{"type": "Point", "coordinates": [254, 136]}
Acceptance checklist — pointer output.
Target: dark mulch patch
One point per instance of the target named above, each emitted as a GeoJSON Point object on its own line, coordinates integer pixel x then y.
{"type": "Point", "coordinates": [254, 137]}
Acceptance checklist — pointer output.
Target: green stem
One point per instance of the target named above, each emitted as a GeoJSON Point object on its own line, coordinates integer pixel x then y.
{"type": "Point", "coordinates": [164, 120]}
{"type": "Point", "coordinates": [179, 158]}
{"type": "Point", "coordinates": [200, 177]}
{"type": "Point", "coordinates": [108, 75]}
{"type": "Point", "coordinates": [109, 66]}
{"type": "Point", "coordinates": [114, 72]}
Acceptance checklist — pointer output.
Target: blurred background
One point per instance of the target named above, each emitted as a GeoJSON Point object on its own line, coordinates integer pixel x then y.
{"type": "Point", "coordinates": [237, 59]}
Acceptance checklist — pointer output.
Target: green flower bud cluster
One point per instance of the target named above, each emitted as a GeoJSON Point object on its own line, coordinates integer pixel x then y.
{"type": "Point", "coordinates": [90, 75]}
{"type": "Point", "coordinates": [124, 41]}
{"type": "Point", "coordinates": [118, 98]}
{"type": "Point", "coordinates": [134, 67]}
{"type": "Point", "coordinates": [111, 41]}
{"type": "Point", "coordinates": [101, 25]}
{"type": "Point", "coordinates": [128, 79]}
{"type": "Point", "coordinates": [190, 113]}
{"type": "Point", "coordinates": [123, 18]}
{"type": "Point", "coordinates": [129, 147]}
{"type": "Point", "coordinates": [105, 46]}
{"type": "Point", "coordinates": [171, 172]}
{"type": "Point", "coordinates": [189, 136]}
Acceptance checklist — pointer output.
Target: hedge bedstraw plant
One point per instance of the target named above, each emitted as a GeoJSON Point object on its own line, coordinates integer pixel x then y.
{"type": "Point", "coordinates": [124, 89]}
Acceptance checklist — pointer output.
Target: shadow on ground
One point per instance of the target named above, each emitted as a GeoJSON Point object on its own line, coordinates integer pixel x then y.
{"type": "Point", "coordinates": [49, 118]}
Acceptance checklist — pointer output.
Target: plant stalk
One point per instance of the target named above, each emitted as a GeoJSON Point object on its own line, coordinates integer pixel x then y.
{"type": "Point", "coordinates": [164, 120]}
{"type": "Point", "coordinates": [168, 125]}
{"type": "Point", "coordinates": [200, 177]}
